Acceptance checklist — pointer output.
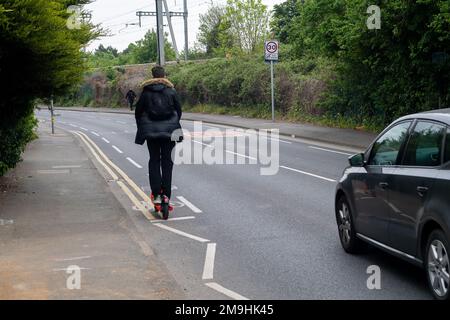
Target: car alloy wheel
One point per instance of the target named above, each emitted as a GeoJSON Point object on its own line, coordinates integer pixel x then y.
{"type": "Point", "coordinates": [344, 223]}
{"type": "Point", "coordinates": [438, 268]}
{"type": "Point", "coordinates": [346, 229]}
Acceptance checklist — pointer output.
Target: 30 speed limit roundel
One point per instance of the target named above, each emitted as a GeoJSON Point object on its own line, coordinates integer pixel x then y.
{"type": "Point", "coordinates": [271, 50]}
{"type": "Point", "coordinates": [271, 47]}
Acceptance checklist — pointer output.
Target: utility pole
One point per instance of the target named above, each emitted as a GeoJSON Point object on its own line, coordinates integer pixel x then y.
{"type": "Point", "coordinates": [160, 32]}
{"type": "Point", "coordinates": [186, 42]}
{"type": "Point", "coordinates": [169, 14]}
{"type": "Point", "coordinates": [172, 34]}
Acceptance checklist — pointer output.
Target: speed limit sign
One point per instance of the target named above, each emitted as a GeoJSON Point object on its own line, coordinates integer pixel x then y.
{"type": "Point", "coordinates": [271, 50]}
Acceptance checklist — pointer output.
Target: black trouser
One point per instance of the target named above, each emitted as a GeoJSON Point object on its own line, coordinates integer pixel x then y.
{"type": "Point", "coordinates": [160, 165]}
{"type": "Point", "coordinates": [130, 104]}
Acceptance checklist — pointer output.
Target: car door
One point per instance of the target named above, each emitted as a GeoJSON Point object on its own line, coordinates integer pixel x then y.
{"type": "Point", "coordinates": [412, 183]}
{"type": "Point", "coordinates": [371, 185]}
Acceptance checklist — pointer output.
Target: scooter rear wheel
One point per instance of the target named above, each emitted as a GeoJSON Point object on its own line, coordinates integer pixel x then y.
{"type": "Point", "coordinates": [165, 210]}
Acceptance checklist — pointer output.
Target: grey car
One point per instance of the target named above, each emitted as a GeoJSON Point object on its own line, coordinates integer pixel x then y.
{"type": "Point", "coordinates": [396, 196]}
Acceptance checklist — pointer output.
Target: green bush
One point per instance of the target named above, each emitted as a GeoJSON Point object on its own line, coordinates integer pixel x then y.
{"type": "Point", "coordinates": [243, 84]}
{"type": "Point", "coordinates": [15, 137]}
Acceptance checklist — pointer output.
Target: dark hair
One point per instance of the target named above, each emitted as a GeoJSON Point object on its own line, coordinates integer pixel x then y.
{"type": "Point", "coordinates": [158, 72]}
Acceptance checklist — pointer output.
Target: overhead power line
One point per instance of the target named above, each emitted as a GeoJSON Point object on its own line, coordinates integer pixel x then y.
{"type": "Point", "coordinates": [125, 13]}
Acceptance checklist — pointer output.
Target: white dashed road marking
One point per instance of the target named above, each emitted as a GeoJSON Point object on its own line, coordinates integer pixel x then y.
{"type": "Point", "coordinates": [106, 140]}
{"type": "Point", "coordinates": [208, 269]}
{"type": "Point", "coordinates": [117, 149]}
{"type": "Point", "coordinates": [134, 163]}
{"type": "Point", "coordinates": [225, 291]}
{"type": "Point", "coordinates": [203, 144]}
{"type": "Point", "coordinates": [308, 174]}
{"type": "Point", "coordinates": [175, 219]}
{"type": "Point", "coordinates": [333, 151]}
{"type": "Point", "coordinates": [189, 204]}
{"type": "Point", "coordinates": [181, 233]}
{"type": "Point", "coordinates": [241, 155]}
{"type": "Point", "coordinates": [227, 151]}
{"type": "Point", "coordinates": [95, 133]}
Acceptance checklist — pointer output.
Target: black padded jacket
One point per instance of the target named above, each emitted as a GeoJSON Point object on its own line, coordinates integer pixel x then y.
{"type": "Point", "coordinates": [168, 128]}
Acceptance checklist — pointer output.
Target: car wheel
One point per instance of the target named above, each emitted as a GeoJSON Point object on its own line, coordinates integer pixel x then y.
{"type": "Point", "coordinates": [437, 264]}
{"type": "Point", "coordinates": [347, 233]}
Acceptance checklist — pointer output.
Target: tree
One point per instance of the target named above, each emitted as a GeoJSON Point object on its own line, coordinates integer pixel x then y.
{"type": "Point", "coordinates": [211, 27]}
{"type": "Point", "coordinates": [248, 22]}
{"type": "Point", "coordinates": [283, 15]}
{"type": "Point", "coordinates": [109, 50]}
{"type": "Point", "coordinates": [142, 51]}
{"type": "Point", "coordinates": [39, 56]}
{"type": "Point", "coordinates": [145, 50]}
{"type": "Point", "coordinates": [403, 67]}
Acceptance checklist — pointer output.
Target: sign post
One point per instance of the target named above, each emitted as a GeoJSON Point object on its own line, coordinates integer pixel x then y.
{"type": "Point", "coordinates": [52, 115]}
{"type": "Point", "coordinates": [272, 90]}
{"type": "Point", "coordinates": [271, 55]}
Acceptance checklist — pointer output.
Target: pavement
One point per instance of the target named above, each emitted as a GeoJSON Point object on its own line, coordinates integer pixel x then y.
{"type": "Point", "coordinates": [236, 233]}
{"type": "Point", "coordinates": [59, 218]}
{"type": "Point", "coordinates": [337, 136]}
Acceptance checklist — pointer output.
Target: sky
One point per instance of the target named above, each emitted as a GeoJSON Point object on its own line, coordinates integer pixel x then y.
{"type": "Point", "coordinates": [114, 15]}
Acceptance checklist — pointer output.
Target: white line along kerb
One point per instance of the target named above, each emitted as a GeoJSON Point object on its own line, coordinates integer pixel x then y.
{"type": "Point", "coordinates": [208, 269]}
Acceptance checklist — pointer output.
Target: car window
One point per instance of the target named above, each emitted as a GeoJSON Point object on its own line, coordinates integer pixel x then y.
{"type": "Point", "coordinates": [424, 147]}
{"type": "Point", "coordinates": [385, 150]}
{"type": "Point", "coordinates": [447, 147]}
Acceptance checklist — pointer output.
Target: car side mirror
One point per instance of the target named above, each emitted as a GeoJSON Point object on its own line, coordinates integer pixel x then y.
{"type": "Point", "coordinates": [357, 160]}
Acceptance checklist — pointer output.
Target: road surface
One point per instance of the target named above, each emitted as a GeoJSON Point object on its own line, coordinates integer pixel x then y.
{"type": "Point", "coordinates": [246, 235]}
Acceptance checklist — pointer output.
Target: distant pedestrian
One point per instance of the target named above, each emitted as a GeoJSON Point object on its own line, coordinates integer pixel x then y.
{"type": "Point", "coordinates": [158, 114]}
{"type": "Point", "coordinates": [131, 96]}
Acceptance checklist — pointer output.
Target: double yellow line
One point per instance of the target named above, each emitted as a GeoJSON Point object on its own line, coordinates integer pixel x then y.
{"type": "Point", "coordinates": [120, 177]}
